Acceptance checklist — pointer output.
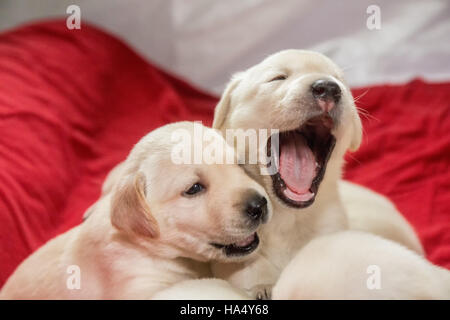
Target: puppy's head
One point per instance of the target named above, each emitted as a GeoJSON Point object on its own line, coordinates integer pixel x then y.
{"type": "Point", "coordinates": [196, 210]}
{"type": "Point", "coordinates": [304, 96]}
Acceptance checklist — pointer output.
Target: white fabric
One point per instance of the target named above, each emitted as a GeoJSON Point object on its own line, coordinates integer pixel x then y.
{"type": "Point", "coordinates": [205, 41]}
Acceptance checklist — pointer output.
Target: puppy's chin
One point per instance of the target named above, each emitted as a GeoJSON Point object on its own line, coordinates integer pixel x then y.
{"type": "Point", "coordinates": [214, 254]}
{"type": "Point", "coordinates": [237, 251]}
{"type": "Point", "coordinates": [221, 257]}
{"type": "Point", "coordinates": [204, 250]}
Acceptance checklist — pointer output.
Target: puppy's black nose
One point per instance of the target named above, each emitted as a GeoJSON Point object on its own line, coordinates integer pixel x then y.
{"type": "Point", "coordinates": [326, 90]}
{"type": "Point", "coordinates": [256, 207]}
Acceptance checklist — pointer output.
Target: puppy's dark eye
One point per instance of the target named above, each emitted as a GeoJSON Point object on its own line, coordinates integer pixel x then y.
{"type": "Point", "coordinates": [280, 77]}
{"type": "Point", "coordinates": [194, 189]}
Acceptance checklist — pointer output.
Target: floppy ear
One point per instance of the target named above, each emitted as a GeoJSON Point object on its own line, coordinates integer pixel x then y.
{"type": "Point", "coordinates": [223, 107]}
{"type": "Point", "coordinates": [129, 209]}
{"type": "Point", "coordinates": [357, 132]}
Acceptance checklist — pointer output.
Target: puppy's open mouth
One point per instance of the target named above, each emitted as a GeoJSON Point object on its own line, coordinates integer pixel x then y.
{"type": "Point", "coordinates": [240, 248]}
{"type": "Point", "coordinates": [303, 157]}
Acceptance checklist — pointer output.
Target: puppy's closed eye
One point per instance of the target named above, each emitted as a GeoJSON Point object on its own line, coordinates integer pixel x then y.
{"type": "Point", "coordinates": [278, 78]}
{"type": "Point", "coordinates": [195, 189]}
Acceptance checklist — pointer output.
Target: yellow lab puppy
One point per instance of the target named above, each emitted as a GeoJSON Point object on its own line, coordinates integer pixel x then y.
{"type": "Point", "coordinates": [303, 94]}
{"type": "Point", "coordinates": [156, 227]}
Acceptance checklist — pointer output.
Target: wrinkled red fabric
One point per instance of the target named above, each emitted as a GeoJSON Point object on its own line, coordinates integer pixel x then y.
{"type": "Point", "coordinates": [405, 155]}
{"type": "Point", "coordinates": [73, 102]}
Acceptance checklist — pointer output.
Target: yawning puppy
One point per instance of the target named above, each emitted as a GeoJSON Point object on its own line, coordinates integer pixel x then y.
{"type": "Point", "coordinates": [157, 225]}
{"type": "Point", "coordinates": [303, 95]}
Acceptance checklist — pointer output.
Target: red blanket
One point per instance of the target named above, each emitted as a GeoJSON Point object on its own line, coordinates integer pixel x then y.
{"type": "Point", "coordinates": [73, 102]}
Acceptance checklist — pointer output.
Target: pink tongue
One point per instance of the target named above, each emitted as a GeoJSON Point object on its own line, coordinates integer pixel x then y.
{"type": "Point", "coordinates": [297, 168]}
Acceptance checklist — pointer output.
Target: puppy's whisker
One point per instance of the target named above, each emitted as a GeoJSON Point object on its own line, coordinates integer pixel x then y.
{"type": "Point", "coordinates": [366, 114]}
{"type": "Point", "coordinates": [353, 158]}
{"type": "Point", "coordinates": [360, 96]}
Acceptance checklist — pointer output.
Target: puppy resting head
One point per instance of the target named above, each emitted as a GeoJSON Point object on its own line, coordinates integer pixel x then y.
{"type": "Point", "coordinates": [190, 209]}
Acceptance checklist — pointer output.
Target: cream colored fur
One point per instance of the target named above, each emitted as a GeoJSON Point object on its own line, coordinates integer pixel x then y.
{"type": "Point", "coordinates": [252, 101]}
{"type": "Point", "coordinates": [359, 265]}
{"type": "Point", "coordinates": [145, 234]}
